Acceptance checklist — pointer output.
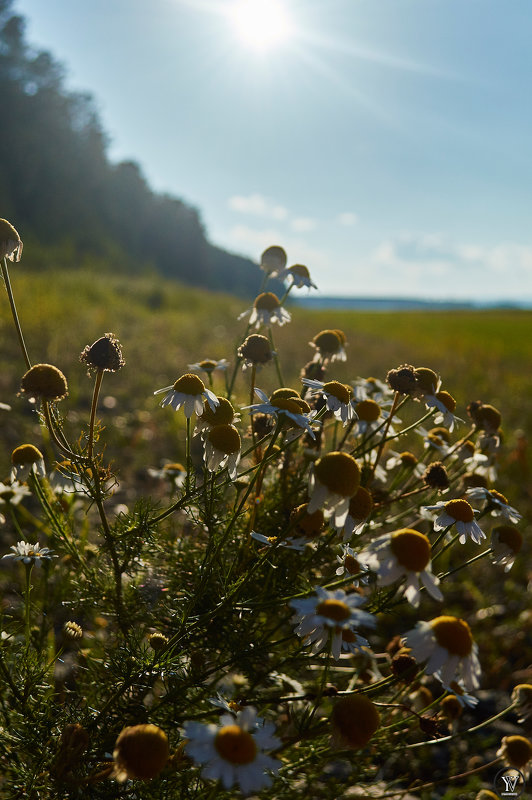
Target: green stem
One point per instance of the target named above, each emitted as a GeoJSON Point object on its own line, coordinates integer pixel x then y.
{"type": "Point", "coordinates": [188, 458]}
{"type": "Point", "coordinates": [275, 358]}
{"type": "Point", "coordinates": [27, 604]}
{"type": "Point", "coordinates": [95, 395]}
{"type": "Point", "coordinates": [7, 282]}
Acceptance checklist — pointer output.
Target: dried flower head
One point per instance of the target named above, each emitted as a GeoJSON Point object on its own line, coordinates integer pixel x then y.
{"type": "Point", "coordinates": [10, 241]}
{"type": "Point", "coordinates": [141, 751]}
{"type": "Point", "coordinates": [354, 720]}
{"type": "Point", "coordinates": [485, 416]}
{"type": "Point", "coordinates": [104, 354]}
{"type": "Point", "coordinates": [402, 379]}
{"type": "Point", "coordinates": [436, 476]}
{"type": "Point", "coordinates": [255, 350]}
{"type": "Point", "coordinates": [45, 381]}
{"type": "Point", "coordinates": [157, 641]}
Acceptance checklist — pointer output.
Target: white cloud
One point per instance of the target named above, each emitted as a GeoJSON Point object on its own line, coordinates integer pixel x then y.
{"type": "Point", "coordinates": [257, 205]}
{"type": "Point", "coordinates": [433, 261]}
{"type": "Point", "coordinates": [347, 218]}
{"type": "Point", "coordinates": [303, 224]}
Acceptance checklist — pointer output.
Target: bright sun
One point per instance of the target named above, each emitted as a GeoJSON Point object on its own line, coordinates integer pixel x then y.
{"type": "Point", "coordinates": [260, 24]}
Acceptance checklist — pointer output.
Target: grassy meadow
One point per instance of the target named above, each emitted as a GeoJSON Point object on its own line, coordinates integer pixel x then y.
{"type": "Point", "coordinates": [163, 327]}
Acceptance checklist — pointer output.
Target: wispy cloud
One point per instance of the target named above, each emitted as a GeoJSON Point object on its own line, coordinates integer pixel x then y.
{"type": "Point", "coordinates": [303, 224]}
{"type": "Point", "coordinates": [347, 218]}
{"type": "Point", "coordinates": [257, 205]}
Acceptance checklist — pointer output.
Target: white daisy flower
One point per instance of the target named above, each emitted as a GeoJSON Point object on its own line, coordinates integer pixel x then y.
{"type": "Point", "coordinates": [334, 479]}
{"type": "Point", "coordinates": [460, 514]}
{"type": "Point", "coordinates": [465, 699]}
{"type": "Point", "coordinates": [446, 405]}
{"type": "Point", "coordinates": [403, 554]}
{"type": "Point", "coordinates": [326, 615]}
{"type": "Point", "coordinates": [407, 461]}
{"type": "Point", "coordinates": [516, 753]}
{"type": "Point", "coordinates": [350, 565]}
{"type": "Point", "coordinates": [506, 544]}
{"type": "Point", "coordinates": [234, 751]}
{"type": "Point", "coordinates": [12, 493]}
{"type": "Point", "coordinates": [300, 276]}
{"type": "Point", "coordinates": [436, 439]}
{"type": "Point", "coordinates": [209, 365]}
{"type": "Point", "coordinates": [329, 346]}
{"type": "Point", "coordinates": [468, 454]}
{"type": "Point", "coordinates": [359, 509]}
{"type": "Point", "coordinates": [370, 417]}
{"type": "Point", "coordinates": [371, 389]}
{"type": "Point", "coordinates": [172, 471]}
{"type": "Point", "coordinates": [291, 543]}
{"type": "Point", "coordinates": [338, 397]}
{"type": "Point", "coordinates": [10, 242]}
{"type": "Point", "coordinates": [222, 449]}
{"type": "Point", "coordinates": [266, 310]}
{"type": "Point", "coordinates": [273, 260]}
{"type": "Point", "coordinates": [188, 392]}
{"type": "Point", "coordinates": [26, 459]}
{"type": "Point", "coordinates": [495, 502]}
{"type": "Point", "coordinates": [29, 553]}
{"type": "Point", "coordinates": [288, 407]}
{"type": "Point", "coordinates": [446, 643]}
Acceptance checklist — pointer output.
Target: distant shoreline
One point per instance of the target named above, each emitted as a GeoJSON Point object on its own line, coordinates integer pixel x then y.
{"type": "Point", "coordinates": [406, 304]}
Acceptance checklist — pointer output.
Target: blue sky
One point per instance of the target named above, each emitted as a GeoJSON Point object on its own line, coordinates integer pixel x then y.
{"type": "Point", "coordinates": [386, 144]}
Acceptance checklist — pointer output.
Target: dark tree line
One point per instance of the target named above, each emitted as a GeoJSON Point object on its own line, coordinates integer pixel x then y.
{"type": "Point", "coordinates": [61, 191]}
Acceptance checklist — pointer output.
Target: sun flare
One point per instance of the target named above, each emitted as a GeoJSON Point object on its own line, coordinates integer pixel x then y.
{"type": "Point", "coordinates": [260, 24]}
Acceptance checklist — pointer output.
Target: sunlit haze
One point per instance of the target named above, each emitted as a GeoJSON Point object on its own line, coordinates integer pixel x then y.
{"type": "Point", "coordinates": [386, 145]}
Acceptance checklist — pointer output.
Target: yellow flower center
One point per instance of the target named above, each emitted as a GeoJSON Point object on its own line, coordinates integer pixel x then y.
{"type": "Point", "coordinates": [341, 391]}
{"type": "Point", "coordinates": [426, 379]}
{"type": "Point", "coordinates": [225, 438]}
{"type": "Point", "coordinates": [351, 565]}
{"type": "Point", "coordinates": [411, 549]}
{"type": "Point", "coordinates": [460, 510]}
{"type": "Point", "coordinates": [518, 750]}
{"type": "Point", "coordinates": [223, 414]}
{"type": "Point", "coordinates": [355, 719]}
{"type": "Point", "coordinates": [448, 401]}
{"type": "Point", "coordinates": [328, 342]}
{"type": "Point", "coordinates": [189, 384]}
{"type": "Point", "coordinates": [441, 433]}
{"type": "Point", "coordinates": [368, 410]}
{"type": "Point", "coordinates": [256, 348]}
{"type": "Point", "coordinates": [361, 504]}
{"type": "Point", "coordinates": [208, 364]}
{"type": "Point", "coordinates": [142, 751]}
{"type": "Point", "coordinates": [468, 449]}
{"type": "Point", "coordinates": [287, 404]}
{"type": "Point", "coordinates": [510, 536]}
{"type": "Point", "coordinates": [26, 454]}
{"type": "Point", "coordinates": [299, 271]}
{"type": "Point", "coordinates": [333, 609]}
{"type": "Point", "coordinates": [498, 496]}
{"type": "Point", "coordinates": [44, 380]}
{"type": "Point", "coordinates": [267, 301]}
{"type": "Point", "coordinates": [175, 466]}
{"type": "Point", "coordinates": [338, 472]}
{"type": "Point", "coordinates": [309, 525]}
{"type": "Point", "coordinates": [283, 392]}
{"type": "Point", "coordinates": [453, 634]}
{"type": "Point", "coordinates": [235, 745]}
{"type": "Point", "coordinates": [408, 459]}
{"type": "Point", "coordinates": [341, 335]}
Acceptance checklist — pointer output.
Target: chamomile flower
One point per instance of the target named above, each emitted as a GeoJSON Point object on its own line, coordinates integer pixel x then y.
{"type": "Point", "coordinates": [140, 752]}
{"type": "Point", "coordinates": [406, 461]}
{"type": "Point", "coordinates": [326, 615]}
{"type": "Point", "coordinates": [506, 544]}
{"type": "Point", "coordinates": [299, 275]}
{"type": "Point", "coordinates": [465, 699]}
{"type": "Point", "coordinates": [329, 346]}
{"type": "Point", "coordinates": [360, 507]}
{"type": "Point", "coordinates": [209, 365]}
{"type": "Point", "coordinates": [516, 752]}
{"type": "Point", "coordinates": [371, 389]}
{"type": "Point", "coordinates": [338, 397]}
{"type": "Point", "coordinates": [273, 260]}
{"type": "Point", "coordinates": [10, 241]}
{"type": "Point", "coordinates": [223, 414]}
{"type": "Point", "coordinates": [235, 750]}
{"type": "Point", "coordinates": [403, 554]}
{"type": "Point", "coordinates": [26, 459]}
{"type": "Point", "coordinates": [13, 493]}
{"type": "Point", "coordinates": [222, 449]}
{"type": "Point", "coordinates": [290, 408]}
{"type": "Point", "coordinates": [172, 471]}
{"type": "Point", "coordinates": [290, 543]}
{"type": "Point", "coordinates": [350, 565]}
{"type": "Point", "coordinates": [446, 405]}
{"type": "Point", "coordinates": [188, 392]}
{"type": "Point", "coordinates": [495, 502]}
{"type": "Point", "coordinates": [255, 351]}
{"type": "Point", "coordinates": [334, 479]}
{"type": "Point", "coordinates": [370, 416]}
{"type": "Point", "coordinates": [29, 553]}
{"type": "Point", "coordinates": [266, 310]}
{"type": "Point", "coordinates": [522, 695]}
{"type": "Point", "coordinates": [447, 645]}
{"type": "Point", "coordinates": [460, 514]}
